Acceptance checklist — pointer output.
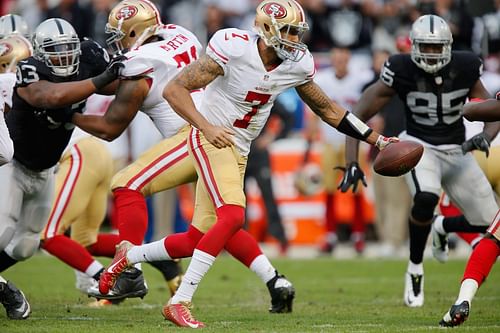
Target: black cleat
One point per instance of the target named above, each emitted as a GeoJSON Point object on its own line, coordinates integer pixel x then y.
{"type": "Point", "coordinates": [456, 315]}
{"type": "Point", "coordinates": [129, 284]}
{"type": "Point", "coordinates": [282, 294]}
{"type": "Point", "coordinates": [14, 302]}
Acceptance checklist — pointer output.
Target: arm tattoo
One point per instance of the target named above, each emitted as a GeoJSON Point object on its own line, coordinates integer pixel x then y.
{"type": "Point", "coordinates": [320, 103]}
{"type": "Point", "coordinates": [200, 73]}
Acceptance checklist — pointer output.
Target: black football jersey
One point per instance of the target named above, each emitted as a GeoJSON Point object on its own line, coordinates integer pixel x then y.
{"type": "Point", "coordinates": [39, 141]}
{"type": "Point", "coordinates": [433, 102]}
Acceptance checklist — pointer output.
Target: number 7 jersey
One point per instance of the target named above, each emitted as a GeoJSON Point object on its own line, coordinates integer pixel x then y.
{"type": "Point", "coordinates": [433, 102]}
{"type": "Point", "coordinates": [242, 98]}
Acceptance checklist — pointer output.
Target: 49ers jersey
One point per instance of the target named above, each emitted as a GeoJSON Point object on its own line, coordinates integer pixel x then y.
{"type": "Point", "coordinates": [433, 102]}
{"type": "Point", "coordinates": [160, 62]}
{"type": "Point", "coordinates": [242, 98]}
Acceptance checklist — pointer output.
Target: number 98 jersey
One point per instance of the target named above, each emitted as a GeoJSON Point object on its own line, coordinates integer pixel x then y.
{"type": "Point", "coordinates": [38, 140]}
{"type": "Point", "coordinates": [433, 102]}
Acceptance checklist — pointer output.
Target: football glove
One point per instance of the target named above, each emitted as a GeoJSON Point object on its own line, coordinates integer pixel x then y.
{"type": "Point", "coordinates": [111, 72]}
{"type": "Point", "coordinates": [62, 116]}
{"type": "Point", "coordinates": [479, 141]}
{"type": "Point", "coordinates": [352, 175]}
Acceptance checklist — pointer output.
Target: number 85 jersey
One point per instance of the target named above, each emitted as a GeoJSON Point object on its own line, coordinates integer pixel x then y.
{"type": "Point", "coordinates": [433, 102]}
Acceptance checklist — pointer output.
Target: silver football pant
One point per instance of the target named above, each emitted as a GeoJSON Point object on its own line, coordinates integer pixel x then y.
{"type": "Point", "coordinates": [459, 176]}
{"type": "Point", "coordinates": [24, 208]}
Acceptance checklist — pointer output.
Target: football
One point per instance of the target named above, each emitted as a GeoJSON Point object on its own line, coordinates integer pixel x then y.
{"type": "Point", "coordinates": [398, 158]}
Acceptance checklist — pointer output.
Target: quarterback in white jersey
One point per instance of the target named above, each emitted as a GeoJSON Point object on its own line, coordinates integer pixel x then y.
{"type": "Point", "coordinates": [243, 72]}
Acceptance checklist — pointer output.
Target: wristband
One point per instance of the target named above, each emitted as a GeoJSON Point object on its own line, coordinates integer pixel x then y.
{"type": "Point", "coordinates": [352, 126]}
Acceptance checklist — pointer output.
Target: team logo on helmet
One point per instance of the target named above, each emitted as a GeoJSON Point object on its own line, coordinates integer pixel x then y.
{"type": "Point", "coordinates": [5, 48]}
{"type": "Point", "coordinates": [274, 9]}
{"type": "Point", "coordinates": [126, 12]}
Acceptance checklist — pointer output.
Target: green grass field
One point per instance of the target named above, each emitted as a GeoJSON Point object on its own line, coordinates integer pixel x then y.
{"type": "Point", "coordinates": [332, 296]}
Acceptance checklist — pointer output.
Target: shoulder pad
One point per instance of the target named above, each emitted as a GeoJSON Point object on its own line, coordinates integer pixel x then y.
{"type": "Point", "coordinates": [228, 44]}
{"type": "Point", "coordinates": [393, 67]}
{"type": "Point", "coordinates": [136, 65]}
{"type": "Point", "coordinates": [468, 62]}
{"type": "Point", "coordinates": [95, 55]}
{"type": "Point", "coordinates": [307, 65]}
{"type": "Point", "coordinates": [31, 70]}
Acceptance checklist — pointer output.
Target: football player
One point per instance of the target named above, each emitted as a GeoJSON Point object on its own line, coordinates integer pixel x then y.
{"type": "Point", "coordinates": [157, 53]}
{"type": "Point", "coordinates": [243, 72]}
{"type": "Point", "coordinates": [12, 50]}
{"type": "Point", "coordinates": [39, 139]}
{"type": "Point", "coordinates": [433, 82]}
{"type": "Point", "coordinates": [486, 252]}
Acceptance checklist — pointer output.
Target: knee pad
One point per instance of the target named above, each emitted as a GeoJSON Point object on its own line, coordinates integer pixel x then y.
{"type": "Point", "coordinates": [424, 204]}
{"type": "Point", "coordinates": [23, 248]}
{"type": "Point", "coordinates": [232, 215]}
{"type": "Point", "coordinates": [6, 234]}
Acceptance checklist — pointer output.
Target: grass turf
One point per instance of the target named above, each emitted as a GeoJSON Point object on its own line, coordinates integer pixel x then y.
{"type": "Point", "coordinates": [332, 296]}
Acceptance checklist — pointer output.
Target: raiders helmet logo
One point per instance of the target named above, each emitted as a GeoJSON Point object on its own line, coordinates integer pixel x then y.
{"type": "Point", "coordinates": [126, 12]}
{"type": "Point", "coordinates": [274, 9]}
{"type": "Point", "coordinates": [5, 49]}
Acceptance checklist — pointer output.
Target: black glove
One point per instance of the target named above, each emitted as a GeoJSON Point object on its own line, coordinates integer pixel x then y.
{"type": "Point", "coordinates": [111, 72]}
{"type": "Point", "coordinates": [63, 115]}
{"type": "Point", "coordinates": [479, 141]}
{"type": "Point", "coordinates": [352, 175]}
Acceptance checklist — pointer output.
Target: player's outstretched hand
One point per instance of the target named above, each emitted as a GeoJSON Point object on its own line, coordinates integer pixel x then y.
{"type": "Point", "coordinates": [479, 141]}
{"type": "Point", "coordinates": [384, 141]}
{"type": "Point", "coordinates": [219, 136]}
{"type": "Point", "coordinates": [352, 176]}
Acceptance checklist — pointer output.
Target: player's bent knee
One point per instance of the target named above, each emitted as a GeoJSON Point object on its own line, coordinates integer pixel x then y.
{"type": "Point", "coordinates": [233, 215]}
{"type": "Point", "coordinates": [424, 204]}
{"type": "Point", "coordinates": [25, 248]}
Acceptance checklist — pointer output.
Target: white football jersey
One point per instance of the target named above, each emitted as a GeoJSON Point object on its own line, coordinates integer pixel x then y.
{"type": "Point", "coordinates": [160, 62]}
{"type": "Point", "coordinates": [243, 97]}
{"type": "Point", "coordinates": [343, 91]}
{"type": "Point", "coordinates": [7, 82]}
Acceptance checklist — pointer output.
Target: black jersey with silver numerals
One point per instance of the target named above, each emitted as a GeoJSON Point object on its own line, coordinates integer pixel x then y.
{"type": "Point", "coordinates": [433, 102]}
{"type": "Point", "coordinates": [38, 140]}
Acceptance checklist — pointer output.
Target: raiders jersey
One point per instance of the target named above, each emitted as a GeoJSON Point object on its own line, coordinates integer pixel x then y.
{"type": "Point", "coordinates": [39, 141]}
{"type": "Point", "coordinates": [159, 62]}
{"type": "Point", "coordinates": [242, 98]}
{"type": "Point", "coordinates": [433, 102]}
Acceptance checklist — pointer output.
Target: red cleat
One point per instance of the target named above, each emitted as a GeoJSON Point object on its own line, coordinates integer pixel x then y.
{"type": "Point", "coordinates": [118, 265]}
{"type": "Point", "coordinates": [180, 315]}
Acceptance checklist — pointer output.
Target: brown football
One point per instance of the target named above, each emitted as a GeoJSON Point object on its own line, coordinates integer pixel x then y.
{"type": "Point", "coordinates": [398, 158]}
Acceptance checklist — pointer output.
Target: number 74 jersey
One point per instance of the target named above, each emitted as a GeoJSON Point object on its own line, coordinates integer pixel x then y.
{"type": "Point", "coordinates": [242, 98]}
{"type": "Point", "coordinates": [159, 62]}
{"type": "Point", "coordinates": [433, 102]}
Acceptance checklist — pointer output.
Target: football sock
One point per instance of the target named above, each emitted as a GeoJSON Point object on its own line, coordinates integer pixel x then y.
{"type": "Point", "coordinates": [182, 245]}
{"type": "Point", "coordinates": [198, 267]}
{"type": "Point", "coordinates": [415, 268]}
{"type": "Point", "coordinates": [131, 214]}
{"type": "Point", "coordinates": [69, 252]}
{"type": "Point", "coordinates": [243, 247]}
{"type": "Point", "coordinates": [263, 268]}
{"type": "Point", "coordinates": [481, 260]}
{"type": "Point", "coordinates": [471, 238]}
{"type": "Point", "coordinates": [105, 245]}
{"type": "Point", "coordinates": [6, 261]}
{"type": "Point", "coordinates": [154, 251]}
{"type": "Point", "coordinates": [468, 289]}
{"type": "Point", "coordinates": [97, 274]}
{"type": "Point", "coordinates": [418, 239]}
{"type": "Point", "coordinates": [460, 224]}
{"type": "Point", "coordinates": [358, 224]}
{"type": "Point", "coordinates": [230, 219]}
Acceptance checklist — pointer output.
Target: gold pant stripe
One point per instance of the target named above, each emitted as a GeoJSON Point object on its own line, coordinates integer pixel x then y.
{"type": "Point", "coordinates": [159, 165]}
{"type": "Point", "coordinates": [66, 192]}
{"type": "Point", "coordinates": [494, 228]}
{"type": "Point", "coordinates": [204, 165]}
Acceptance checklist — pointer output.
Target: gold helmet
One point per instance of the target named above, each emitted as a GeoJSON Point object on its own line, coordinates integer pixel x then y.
{"type": "Point", "coordinates": [276, 21]}
{"type": "Point", "coordinates": [12, 50]}
{"type": "Point", "coordinates": [130, 23]}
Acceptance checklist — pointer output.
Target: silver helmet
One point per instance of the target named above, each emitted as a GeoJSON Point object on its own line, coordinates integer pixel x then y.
{"type": "Point", "coordinates": [12, 24]}
{"type": "Point", "coordinates": [56, 43]}
{"type": "Point", "coordinates": [430, 29]}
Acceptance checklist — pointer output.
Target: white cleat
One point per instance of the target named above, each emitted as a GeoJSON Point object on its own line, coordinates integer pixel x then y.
{"type": "Point", "coordinates": [414, 290]}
